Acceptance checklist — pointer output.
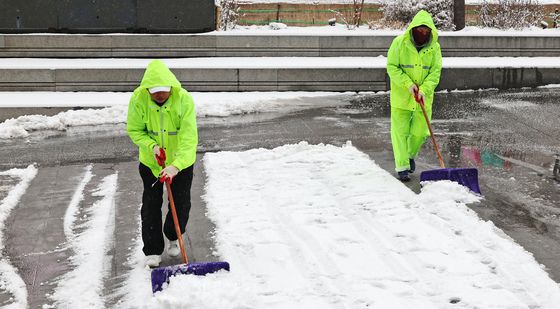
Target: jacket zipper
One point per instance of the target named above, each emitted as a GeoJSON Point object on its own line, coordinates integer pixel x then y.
{"type": "Point", "coordinates": [161, 126]}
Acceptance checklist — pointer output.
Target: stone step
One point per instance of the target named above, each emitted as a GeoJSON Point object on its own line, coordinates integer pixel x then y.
{"type": "Point", "coordinates": [514, 44]}
{"type": "Point", "coordinates": [268, 74]}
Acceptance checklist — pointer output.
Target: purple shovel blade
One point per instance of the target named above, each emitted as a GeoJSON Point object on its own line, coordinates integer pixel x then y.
{"type": "Point", "coordinates": [467, 177]}
{"type": "Point", "coordinates": [161, 275]}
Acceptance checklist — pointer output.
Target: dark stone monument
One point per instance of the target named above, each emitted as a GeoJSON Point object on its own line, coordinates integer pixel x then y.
{"type": "Point", "coordinates": [105, 16]}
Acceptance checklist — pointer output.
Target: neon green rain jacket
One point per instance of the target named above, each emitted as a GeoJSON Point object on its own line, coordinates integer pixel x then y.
{"type": "Point", "coordinates": [406, 66]}
{"type": "Point", "coordinates": [171, 126]}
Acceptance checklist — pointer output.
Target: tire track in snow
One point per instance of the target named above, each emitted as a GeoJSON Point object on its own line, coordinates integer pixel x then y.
{"type": "Point", "coordinates": [10, 280]}
{"type": "Point", "coordinates": [73, 206]}
{"type": "Point", "coordinates": [83, 286]}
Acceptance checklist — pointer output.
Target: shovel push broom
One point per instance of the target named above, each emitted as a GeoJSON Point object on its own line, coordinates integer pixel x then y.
{"type": "Point", "coordinates": [467, 177]}
{"type": "Point", "coordinates": [161, 275]}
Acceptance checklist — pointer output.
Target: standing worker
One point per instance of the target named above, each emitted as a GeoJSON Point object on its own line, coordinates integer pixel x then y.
{"type": "Point", "coordinates": [414, 67]}
{"type": "Point", "coordinates": [162, 123]}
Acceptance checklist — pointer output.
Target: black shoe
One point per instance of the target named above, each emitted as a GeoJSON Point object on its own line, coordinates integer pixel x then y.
{"type": "Point", "coordinates": [412, 166]}
{"type": "Point", "coordinates": [403, 176]}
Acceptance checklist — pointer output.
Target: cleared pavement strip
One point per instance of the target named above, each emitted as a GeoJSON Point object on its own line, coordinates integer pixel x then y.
{"type": "Point", "coordinates": [38, 248]}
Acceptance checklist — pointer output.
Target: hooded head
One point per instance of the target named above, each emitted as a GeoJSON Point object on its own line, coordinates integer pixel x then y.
{"type": "Point", "coordinates": [422, 29]}
{"type": "Point", "coordinates": [159, 81]}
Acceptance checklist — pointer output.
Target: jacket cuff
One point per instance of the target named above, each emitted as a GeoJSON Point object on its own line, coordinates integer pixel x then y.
{"type": "Point", "coordinates": [178, 165]}
{"type": "Point", "coordinates": [425, 90]}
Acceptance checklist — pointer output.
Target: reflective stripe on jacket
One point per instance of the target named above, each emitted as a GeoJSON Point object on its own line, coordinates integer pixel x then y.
{"type": "Point", "coordinates": [407, 66]}
{"type": "Point", "coordinates": [171, 126]}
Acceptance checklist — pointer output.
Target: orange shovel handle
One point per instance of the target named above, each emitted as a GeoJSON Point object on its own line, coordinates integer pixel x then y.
{"type": "Point", "coordinates": [421, 103]}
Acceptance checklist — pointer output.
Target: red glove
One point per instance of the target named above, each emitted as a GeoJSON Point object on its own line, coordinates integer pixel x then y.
{"type": "Point", "coordinates": [159, 154]}
{"type": "Point", "coordinates": [419, 97]}
{"type": "Point", "coordinates": [168, 173]}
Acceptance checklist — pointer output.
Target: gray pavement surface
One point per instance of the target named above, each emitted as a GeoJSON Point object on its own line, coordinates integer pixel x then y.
{"type": "Point", "coordinates": [510, 136]}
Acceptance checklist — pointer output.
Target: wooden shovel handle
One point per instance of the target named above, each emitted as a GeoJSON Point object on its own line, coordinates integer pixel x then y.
{"type": "Point", "coordinates": [421, 103]}
{"type": "Point", "coordinates": [176, 222]}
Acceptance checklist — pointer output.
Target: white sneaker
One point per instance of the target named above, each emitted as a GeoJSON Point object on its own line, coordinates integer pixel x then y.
{"type": "Point", "coordinates": [153, 260]}
{"type": "Point", "coordinates": [173, 248]}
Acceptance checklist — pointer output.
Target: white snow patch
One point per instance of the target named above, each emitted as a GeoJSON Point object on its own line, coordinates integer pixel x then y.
{"type": "Point", "coordinates": [277, 26]}
{"type": "Point", "coordinates": [314, 226]}
{"type": "Point", "coordinates": [508, 104]}
{"type": "Point", "coordinates": [10, 280]}
{"type": "Point", "coordinates": [224, 104]}
{"type": "Point", "coordinates": [73, 206]}
{"type": "Point", "coordinates": [551, 86]}
{"type": "Point", "coordinates": [207, 104]}
{"type": "Point", "coordinates": [378, 62]}
{"type": "Point", "coordinates": [136, 291]}
{"type": "Point", "coordinates": [341, 30]}
{"type": "Point", "coordinates": [82, 287]}
{"type": "Point", "coordinates": [62, 99]}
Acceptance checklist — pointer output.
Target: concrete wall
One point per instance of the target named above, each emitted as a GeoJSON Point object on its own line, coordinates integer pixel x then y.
{"type": "Point", "coordinates": [158, 46]}
{"type": "Point", "coordinates": [212, 79]}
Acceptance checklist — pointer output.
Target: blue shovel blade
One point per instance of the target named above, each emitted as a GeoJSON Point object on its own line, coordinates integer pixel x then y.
{"type": "Point", "coordinates": [467, 177]}
{"type": "Point", "coordinates": [161, 275]}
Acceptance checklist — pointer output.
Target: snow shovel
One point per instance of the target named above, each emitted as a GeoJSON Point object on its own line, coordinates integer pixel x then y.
{"type": "Point", "coordinates": [161, 275]}
{"type": "Point", "coordinates": [467, 177]}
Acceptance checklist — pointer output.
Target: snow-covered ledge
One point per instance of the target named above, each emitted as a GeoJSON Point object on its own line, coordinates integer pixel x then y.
{"type": "Point", "coordinates": [292, 42]}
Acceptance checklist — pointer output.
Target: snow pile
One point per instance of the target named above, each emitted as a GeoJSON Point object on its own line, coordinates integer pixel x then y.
{"type": "Point", "coordinates": [21, 126]}
{"type": "Point", "coordinates": [277, 26]}
{"type": "Point", "coordinates": [10, 280]}
{"type": "Point", "coordinates": [62, 99]}
{"type": "Point", "coordinates": [315, 226]}
{"type": "Point", "coordinates": [83, 286]}
{"type": "Point", "coordinates": [207, 104]}
{"type": "Point", "coordinates": [223, 104]}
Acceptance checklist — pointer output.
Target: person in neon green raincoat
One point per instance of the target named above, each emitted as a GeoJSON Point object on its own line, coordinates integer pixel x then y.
{"type": "Point", "coordinates": [414, 66]}
{"type": "Point", "coordinates": [162, 123]}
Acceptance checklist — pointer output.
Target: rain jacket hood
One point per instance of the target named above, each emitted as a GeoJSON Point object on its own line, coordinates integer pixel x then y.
{"type": "Point", "coordinates": [171, 126]}
{"type": "Point", "coordinates": [158, 74]}
{"type": "Point", "coordinates": [422, 18]}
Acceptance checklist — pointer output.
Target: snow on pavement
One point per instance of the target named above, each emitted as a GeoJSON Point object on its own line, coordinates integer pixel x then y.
{"type": "Point", "coordinates": [73, 207]}
{"type": "Point", "coordinates": [10, 280]}
{"type": "Point", "coordinates": [218, 104]}
{"type": "Point", "coordinates": [82, 287]}
{"type": "Point", "coordinates": [319, 226]}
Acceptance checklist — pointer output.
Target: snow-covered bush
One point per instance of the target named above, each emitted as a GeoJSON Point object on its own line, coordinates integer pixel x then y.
{"type": "Point", "coordinates": [507, 14]}
{"type": "Point", "coordinates": [352, 17]}
{"type": "Point", "coordinates": [555, 19]}
{"type": "Point", "coordinates": [401, 12]}
{"type": "Point", "coordinates": [229, 14]}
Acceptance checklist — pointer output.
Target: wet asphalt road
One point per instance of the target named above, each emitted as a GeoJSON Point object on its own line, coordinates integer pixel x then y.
{"type": "Point", "coordinates": [512, 137]}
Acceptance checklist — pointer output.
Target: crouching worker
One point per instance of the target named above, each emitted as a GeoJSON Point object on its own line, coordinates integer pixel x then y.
{"type": "Point", "coordinates": [414, 67]}
{"type": "Point", "coordinates": [162, 123]}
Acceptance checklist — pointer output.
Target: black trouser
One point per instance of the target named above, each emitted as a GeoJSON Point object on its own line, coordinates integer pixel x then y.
{"type": "Point", "coordinates": [152, 200]}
